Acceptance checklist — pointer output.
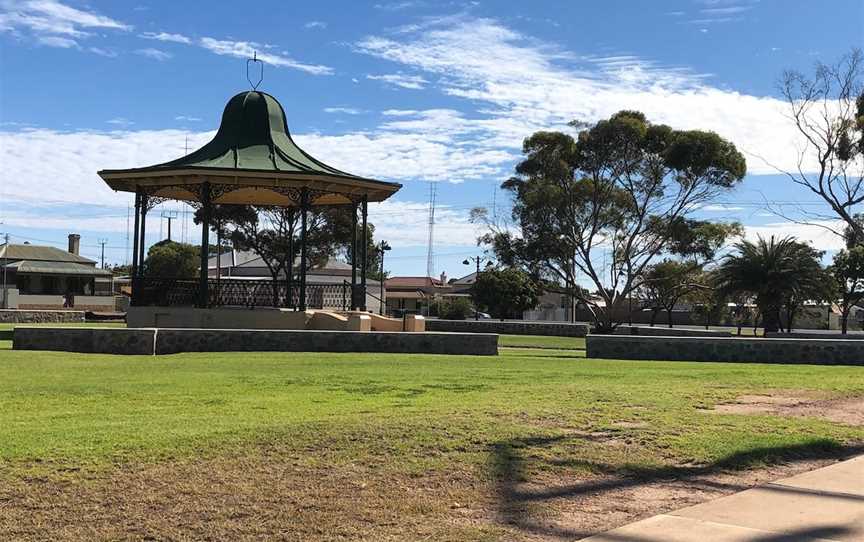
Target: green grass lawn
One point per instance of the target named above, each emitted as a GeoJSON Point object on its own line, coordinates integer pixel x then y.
{"type": "Point", "coordinates": [94, 409]}
{"type": "Point", "coordinates": [441, 428]}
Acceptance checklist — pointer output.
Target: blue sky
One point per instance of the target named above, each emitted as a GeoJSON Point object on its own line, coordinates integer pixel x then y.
{"type": "Point", "coordinates": [410, 91]}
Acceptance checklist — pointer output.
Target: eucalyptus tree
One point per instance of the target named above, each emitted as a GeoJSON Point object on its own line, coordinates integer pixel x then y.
{"type": "Point", "coordinates": [603, 205]}
{"type": "Point", "coordinates": [665, 284]}
{"type": "Point", "coordinates": [827, 111]}
{"type": "Point", "coordinates": [848, 272]}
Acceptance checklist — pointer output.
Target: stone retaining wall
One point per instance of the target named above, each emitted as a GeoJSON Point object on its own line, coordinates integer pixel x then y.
{"type": "Point", "coordinates": [171, 341]}
{"type": "Point", "coordinates": [731, 349]}
{"type": "Point", "coordinates": [85, 339]}
{"type": "Point", "coordinates": [669, 332]}
{"type": "Point", "coordinates": [18, 316]}
{"type": "Point", "coordinates": [835, 335]}
{"type": "Point", "coordinates": [560, 329]}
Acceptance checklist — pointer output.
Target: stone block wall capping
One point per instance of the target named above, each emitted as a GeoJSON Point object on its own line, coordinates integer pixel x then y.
{"type": "Point", "coordinates": [509, 327]}
{"type": "Point", "coordinates": [726, 349]}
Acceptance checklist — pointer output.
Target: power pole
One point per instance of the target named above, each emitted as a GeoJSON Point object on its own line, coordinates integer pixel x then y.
{"type": "Point", "coordinates": [476, 260]}
{"type": "Point", "coordinates": [169, 215]}
{"type": "Point", "coordinates": [430, 251]}
{"type": "Point", "coordinates": [102, 242]}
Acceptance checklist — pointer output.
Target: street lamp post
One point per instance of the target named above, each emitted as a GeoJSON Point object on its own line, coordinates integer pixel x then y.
{"type": "Point", "coordinates": [476, 260]}
{"type": "Point", "coordinates": [5, 261]}
{"type": "Point", "coordinates": [382, 248]}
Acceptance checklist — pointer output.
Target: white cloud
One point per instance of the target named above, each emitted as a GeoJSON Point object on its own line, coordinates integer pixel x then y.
{"type": "Point", "coordinates": [166, 36]}
{"type": "Point", "coordinates": [70, 175]}
{"type": "Point", "coordinates": [720, 208]}
{"type": "Point", "coordinates": [69, 180]}
{"type": "Point", "coordinates": [155, 54]}
{"type": "Point", "coordinates": [185, 118]}
{"type": "Point", "coordinates": [523, 85]}
{"type": "Point", "coordinates": [729, 10]}
{"type": "Point", "coordinates": [343, 110]}
{"type": "Point", "coordinates": [107, 53]}
{"type": "Point", "coordinates": [397, 6]}
{"type": "Point", "coordinates": [57, 41]}
{"type": "Point", "coordinates": [819, 233]}
{"type": "Point", "coordinates": [315, 24]}
{"type": "Point", "coordinates": [404, 223]}
{"type": "Point", "coordinates": [120, 121]}
{"type": "Point", "coordinates": [245, 50]}
{"type": "Point", "coordinates": [52, 23]}
{"type": "Point", "coordinates": [414, 82]}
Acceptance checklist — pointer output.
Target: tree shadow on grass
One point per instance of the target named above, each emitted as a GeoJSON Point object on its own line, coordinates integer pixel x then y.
{"type": "Point", "coordinates": [511, 460]}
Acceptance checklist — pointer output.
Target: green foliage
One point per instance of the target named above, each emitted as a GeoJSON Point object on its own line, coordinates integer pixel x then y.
{"type": "Point", "coordinates": [700, 240]}
{"type": "Point", "coordinates": [505, 293]}
{"type": "Point", "coordinates": [848, 273]}
{"type": "Point", "coordinates": [779, 275]}
{"type": "Point", "coordinates": [625, 183]}
{"type": "Point", "coordinates": [274, 234]}
{"type": "Point", "coordinates": [827, 110]}
{"type": "Point", "coordinates": [665, 284]}
{"type": "Point", "coordinates": [709, 305]}
{"type": "Point", "coordinates": [458, 308]}
{"type": "Point", "coordinates": [171, 259]}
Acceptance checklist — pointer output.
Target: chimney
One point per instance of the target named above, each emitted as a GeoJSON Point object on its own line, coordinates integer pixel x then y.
{"type": "Point", "coordinates": [74, 243]}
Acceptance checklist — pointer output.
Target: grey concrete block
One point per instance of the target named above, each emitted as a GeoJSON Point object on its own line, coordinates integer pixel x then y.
{"type": "Point", "coordinates": [86, 340]}
{"type": "Point", "coordinates": [559, 329]}
{"type": "Point", "coordinates": [834, 335]}
{"type": "Point", "coordinates": [172, 341]}
{"type": "Point", "coordinates": [26, 316]}
{"type": "Point", "coordinates": [669, 332]}
{"type": "Point", "coordinates": [727, 349]}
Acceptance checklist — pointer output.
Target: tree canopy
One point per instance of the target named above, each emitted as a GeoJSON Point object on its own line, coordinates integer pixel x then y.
{"type": "Point", "coordinates": [172, 259]}
{"type": "Point", "coordinates": [827, 110]}
{"type": "Point", "coordinates": [848, 273]}
{"type": "Point", "coordinates": [505, 293]}
{"type": "Point", "coordinates": [603, 205]}
{"type": "Point", "coordinates": [274, 234]}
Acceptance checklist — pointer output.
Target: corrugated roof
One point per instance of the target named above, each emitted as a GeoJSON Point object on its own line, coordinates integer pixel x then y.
{"type": "Point", "coordinates": [57, 268]}
{"type": "Point", "coordinates": [412, 282]}
{"type": "Point", "coordinates": [40, 253]}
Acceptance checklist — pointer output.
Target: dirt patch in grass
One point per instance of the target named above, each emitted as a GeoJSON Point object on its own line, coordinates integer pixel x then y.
{"type": "Point", "coordinates": [848, 410]}
{"type": "Point", "coordinates": [284, 496]}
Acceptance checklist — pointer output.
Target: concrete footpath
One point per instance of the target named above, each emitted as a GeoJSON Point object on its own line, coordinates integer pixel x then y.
{"type": "Point", "coordinates": [824, 504]}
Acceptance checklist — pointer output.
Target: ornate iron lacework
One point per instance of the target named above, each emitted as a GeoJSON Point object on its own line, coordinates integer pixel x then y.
{"type": "Point", "coordinates": [152, 201]}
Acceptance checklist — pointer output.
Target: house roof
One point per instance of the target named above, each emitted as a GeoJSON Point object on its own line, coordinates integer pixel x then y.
{"type": "Point", "coordinates": [40, 253]}
{"type": "Point", "coordinates": [466, 280]}
{"type": "Point", "coordinates": [57, 268]}
{"type": "Point", "coordinates": [413, 282]}
{"type": "Point", "coordinates": [411, 294]}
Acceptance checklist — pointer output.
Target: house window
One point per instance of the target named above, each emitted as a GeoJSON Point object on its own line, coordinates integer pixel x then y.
{"type": "Point", "coordinates": [23, 284]}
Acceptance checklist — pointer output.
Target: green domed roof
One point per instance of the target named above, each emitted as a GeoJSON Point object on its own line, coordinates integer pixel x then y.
{"type": "Point", "coordinates": [253, 135]}
{"type": "Point", "coordinates": [253, 159]}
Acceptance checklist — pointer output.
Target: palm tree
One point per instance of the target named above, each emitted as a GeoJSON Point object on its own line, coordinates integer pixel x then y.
{"type": "Point", "coordinates": [778, 274]}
